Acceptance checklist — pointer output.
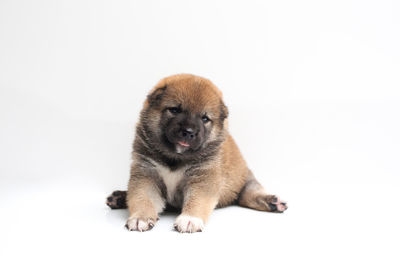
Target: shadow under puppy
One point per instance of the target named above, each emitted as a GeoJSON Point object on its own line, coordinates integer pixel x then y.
{"type": "Point", "coordinates": [184, 156]}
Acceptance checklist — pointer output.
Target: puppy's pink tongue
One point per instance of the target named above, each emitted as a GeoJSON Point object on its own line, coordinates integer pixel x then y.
{"type": "Point", "coordinates": [183, 143]}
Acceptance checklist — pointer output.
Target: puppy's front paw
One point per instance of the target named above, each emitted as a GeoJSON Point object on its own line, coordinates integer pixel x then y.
{"type": "Point", "coordinates": [188, 224]}
{"type": "Point", "coordinates": [137, 224]}
{"type": "Point", "coordinates": [274, 204]}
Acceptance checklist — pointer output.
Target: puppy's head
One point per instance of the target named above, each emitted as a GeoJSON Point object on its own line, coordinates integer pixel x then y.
{"type": "Point", "coordinates": [184, 115]}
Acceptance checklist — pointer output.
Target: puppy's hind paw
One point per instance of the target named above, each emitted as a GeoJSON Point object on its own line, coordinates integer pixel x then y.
{"type": "Point", "coordinates": [274, 204]}
{"type": "Point", "coordinates": [117, 200]}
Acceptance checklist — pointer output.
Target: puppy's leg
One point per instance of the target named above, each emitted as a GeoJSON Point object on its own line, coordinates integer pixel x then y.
{"type": "Point", "coordinates": [200, 199]}
{"type": "Point", "coordinates": [254, 196]}
{"type": "Point", "coordinates": [117, 200]}
{"type": "Point", "coordinates": [145, 201]}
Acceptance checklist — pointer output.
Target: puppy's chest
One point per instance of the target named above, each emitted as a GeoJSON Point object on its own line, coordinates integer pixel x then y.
{"type": "Point", "coordinates": [172, 180]}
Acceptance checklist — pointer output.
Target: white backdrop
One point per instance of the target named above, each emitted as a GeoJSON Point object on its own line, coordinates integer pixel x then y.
{"type": "Point", "coordinates": [313, 89]}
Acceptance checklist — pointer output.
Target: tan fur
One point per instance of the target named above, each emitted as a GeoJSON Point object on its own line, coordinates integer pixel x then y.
{"type": "Point", "coordinates": [219, 182]}
{"type": "Point", "coordinates": [143, 198]}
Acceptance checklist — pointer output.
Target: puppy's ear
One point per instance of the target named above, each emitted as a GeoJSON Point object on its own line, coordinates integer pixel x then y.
{"type": "Point", "coordinates": [155, 96]}
{"type": "Point", "coordinates": [223, 111]}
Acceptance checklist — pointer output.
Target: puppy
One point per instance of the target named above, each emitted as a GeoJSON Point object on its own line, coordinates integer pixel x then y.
{"type": "Point", "coordinates": [184, 156]}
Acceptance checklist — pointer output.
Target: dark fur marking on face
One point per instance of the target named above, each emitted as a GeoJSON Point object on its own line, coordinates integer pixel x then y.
{"type": "Point", "coordinates": [147, 147]}
{"type": "Point", "coordinates": [162, 151]}
{"type": "Point", "coordinates": [175, 128]}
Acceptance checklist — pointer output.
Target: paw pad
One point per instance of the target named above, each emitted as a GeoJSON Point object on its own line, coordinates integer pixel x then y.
{"type": "Point", "coordinates": [117, 200]}
{"type": "Point", "coordinates": [274, 204]}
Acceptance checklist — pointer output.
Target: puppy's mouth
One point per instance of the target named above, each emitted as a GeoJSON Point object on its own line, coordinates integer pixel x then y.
{"type": "Point", "coordinates": [182, 146]}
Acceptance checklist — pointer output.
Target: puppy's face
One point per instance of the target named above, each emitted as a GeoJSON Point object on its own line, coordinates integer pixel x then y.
{"type": "Point", "coordinates": [185, 129]}
{"type": "Point", "coordinates": [186, 115]}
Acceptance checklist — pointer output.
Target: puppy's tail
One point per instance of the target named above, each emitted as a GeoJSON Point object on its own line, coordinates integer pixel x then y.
{"type": "Point", "coordinates": [117, 200]}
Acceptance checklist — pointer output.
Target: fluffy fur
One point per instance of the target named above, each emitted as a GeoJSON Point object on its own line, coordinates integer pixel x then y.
{"type": "Point", "coordinates": [184, 156]}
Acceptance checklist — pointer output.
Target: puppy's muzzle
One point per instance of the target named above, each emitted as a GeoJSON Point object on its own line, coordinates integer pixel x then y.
{"type": "Point", "coordinates": [187, 133]}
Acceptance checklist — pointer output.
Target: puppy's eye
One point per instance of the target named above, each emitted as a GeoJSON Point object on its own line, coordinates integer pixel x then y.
{"type": "Point", "coordinates": [205, 119]}
{"type": "Point", "coordinates": [175, 110]}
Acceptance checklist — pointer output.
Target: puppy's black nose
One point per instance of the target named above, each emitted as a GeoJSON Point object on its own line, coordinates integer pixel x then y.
{"type": "Point", "coordinates": [187, 133]}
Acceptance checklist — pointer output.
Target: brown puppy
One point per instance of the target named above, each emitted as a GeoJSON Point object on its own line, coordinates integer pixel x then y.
{"type": "Point", "coordinates": [184, 156]}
